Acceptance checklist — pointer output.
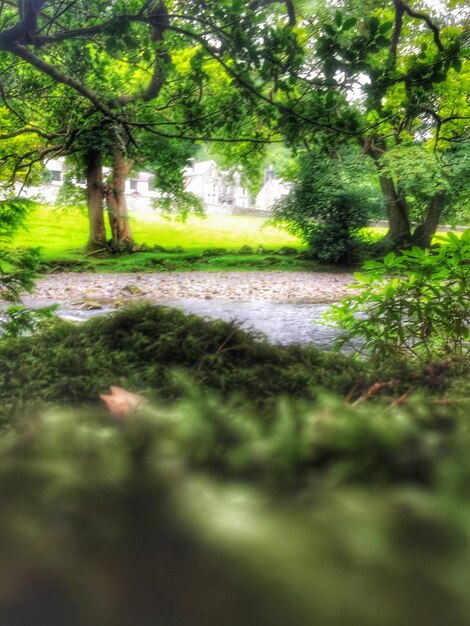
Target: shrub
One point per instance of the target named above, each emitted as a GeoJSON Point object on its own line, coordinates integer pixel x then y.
{"type": "Point", "coordinates": [109, 523]}
{"type": "Point", "coordinates": [326, 210]}
{"type": "Point", "coordinates": [18, 270]}
{"type": "Point", "coordinates": [413, 305]}
{"type": "Point", "coordinates": [140, 348]}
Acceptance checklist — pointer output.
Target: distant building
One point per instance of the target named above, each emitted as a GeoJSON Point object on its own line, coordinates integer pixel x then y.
{"type": "Point", "coordinates": [273, 188]}
{"type": "Point", "coordinates": [141, 184]}
{"type": "Point", "coordinates": [220, 191]}
{"type": "Point", "coordinates": [139, 189]}
{"type": "Point", "coordinates": [55, 168]}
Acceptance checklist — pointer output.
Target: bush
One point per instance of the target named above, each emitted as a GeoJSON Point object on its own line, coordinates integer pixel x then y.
{"type": "Point", "coordinates": [140, 348]}
{"type": "Point", "coordinates": [18, 270]}
{"type": "Point", "coordinates": [413, 305]}
{"type": "Point", "coordinates": [326, 210]}
{"type": "Point", "coordinates": [324, 515]}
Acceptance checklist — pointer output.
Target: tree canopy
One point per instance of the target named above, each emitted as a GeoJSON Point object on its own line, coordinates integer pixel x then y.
{"type": "Point", "coordinates": [128, 80]}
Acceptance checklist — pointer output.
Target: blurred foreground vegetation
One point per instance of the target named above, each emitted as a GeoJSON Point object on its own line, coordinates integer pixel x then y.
{"type": "Point", "coordinates": [257, 485]}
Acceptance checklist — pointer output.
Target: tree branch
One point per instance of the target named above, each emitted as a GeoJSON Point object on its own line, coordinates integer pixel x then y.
{"type": "Point", "coordinates": [29, 129]}
{"type": "Point", "coordinates": [24, 31]}
{"type": "Point", "coordinates": [401, 7]}
{"type": "Point", "coordinates": [60, 77]}
{"type": "Point", "coordinates": [159, 21]}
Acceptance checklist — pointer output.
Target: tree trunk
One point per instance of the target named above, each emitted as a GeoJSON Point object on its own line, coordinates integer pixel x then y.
{"type": "Point", "coordinates": [95, 200]}
{"type": "Point", "coordinates": [116, 204]}
{"type": "Point", "coordinates": [424, 232]}
{"type": "Point", "coordinates": [399, 228]}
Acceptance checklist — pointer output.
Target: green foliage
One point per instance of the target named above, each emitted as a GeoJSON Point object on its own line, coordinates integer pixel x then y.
{"type": "Point", "coordinates": [18, 319]}
{"type": "Point", "coordinates": [423, 173]}
{"type": "Point", "coordinates": [166, 158]}
{"type": "Point", "coordinates": [72, 195]}
{"type": "Point", "coordinates": [179, 260]}
{"type": "Point", "coordinates": [326, 209]}
{"type": "Point", "coordinates": [296, 441]}
{"type": "Point", "coordinates": [206, 513]}
{"type": "Point", "coordinates": [12, 215]}
{"type": "Point", "coordinates": [18, 270]}
{"type": "Point", "coordinates": [141, 348]}
{"type": "Point", "coordinates": [414, 305]}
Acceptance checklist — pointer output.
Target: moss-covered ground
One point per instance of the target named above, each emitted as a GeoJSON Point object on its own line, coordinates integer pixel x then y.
{"type": "Point", "coordinates": [258, 485]}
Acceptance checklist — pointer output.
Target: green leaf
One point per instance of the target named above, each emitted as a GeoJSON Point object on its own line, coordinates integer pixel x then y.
{"type": "Point", "coordinates": [390, 259]}
{"type": "Point", "coordinates": [382, 41]}
{"type": "Point", "coordinates": [349, 23]}
{"type": "Point", "coordinates": [385, 27]}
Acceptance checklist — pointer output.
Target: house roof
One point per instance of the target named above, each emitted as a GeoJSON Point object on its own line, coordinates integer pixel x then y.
{"type": "Point", "coordinates": [198, 168]}
{"type": "Point", "coordinates": [144, 176]}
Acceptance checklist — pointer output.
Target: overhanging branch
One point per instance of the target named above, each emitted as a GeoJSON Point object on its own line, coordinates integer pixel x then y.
{"type": "Point", "coordinates": [25, 30]}
{"type": "Point", "coordinates": [401, 8]}
{"type": "Point", "coordinates": [60, 77]}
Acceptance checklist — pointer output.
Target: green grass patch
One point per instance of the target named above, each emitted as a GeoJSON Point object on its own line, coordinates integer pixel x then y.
{"type": "Point", "coordinates": [214, 243]}
{"type": "Point", "coordinates": [61, 236]}
{"type": "Point", "coordinates": [183, 261]}
{"type": "Point", "coordinates": [375, 233]}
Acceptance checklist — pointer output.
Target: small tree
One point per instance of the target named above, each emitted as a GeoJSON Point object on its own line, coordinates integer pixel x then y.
{"type": "Point", "coordinates": [326, 209]}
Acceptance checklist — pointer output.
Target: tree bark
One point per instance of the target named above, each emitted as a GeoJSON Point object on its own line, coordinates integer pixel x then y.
{"type": "Point", "coordinates": [95, 200]}
{"type": "Point", "coordinates": [399, 227]}
{"type": "Point", "coordinates": [424, 233]}
{"type": "Point", "coordinates": [397, 211]}
{"type": "Point", "coordinates": [116, 203]}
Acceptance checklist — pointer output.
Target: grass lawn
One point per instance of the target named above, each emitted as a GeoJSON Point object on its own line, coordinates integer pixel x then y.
{"type": "Point", "coordinates": [61, 236]}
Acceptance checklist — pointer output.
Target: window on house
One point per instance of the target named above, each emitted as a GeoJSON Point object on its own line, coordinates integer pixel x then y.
{"type": "Point", "coordinates": [56, 175]}
{"type": "Point", "coordinates": [133, 184]}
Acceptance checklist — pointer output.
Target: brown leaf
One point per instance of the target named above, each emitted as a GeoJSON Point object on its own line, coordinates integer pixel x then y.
{"type": "Point", "coordinates": [122, 403]}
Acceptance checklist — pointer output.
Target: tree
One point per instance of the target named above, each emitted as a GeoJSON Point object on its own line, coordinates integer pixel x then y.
{"type": "Point", "coordinates": [328, 205]}
{"type": "Point", "coordinates": [116, 62]}
{"type": "Point", "coordinates": [384, 73]}
{"type": "Point", "coordinates": [390, 77]}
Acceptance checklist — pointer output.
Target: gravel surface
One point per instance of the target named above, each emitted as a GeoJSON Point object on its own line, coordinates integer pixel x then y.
{"type": "Point", "coordinates": [287, 307]}
{"type": "Point", "coordinates": [116, 289]}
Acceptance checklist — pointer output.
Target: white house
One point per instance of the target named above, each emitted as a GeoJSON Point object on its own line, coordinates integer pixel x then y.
{"type": "Point", "coordinates": [141, 184]}
{"type": "Point", "coordinates": [55, 168]}
{"type": "Point", "coordinates": [221, 191]}
{"type": "Point", "coordinates": [273, 188]}
{"type": "Point", "coordinates": [139, 190]}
